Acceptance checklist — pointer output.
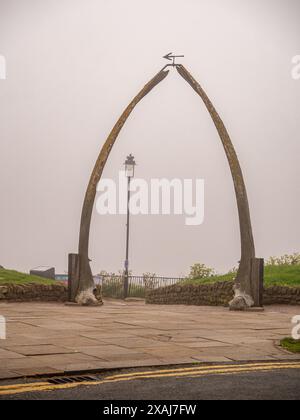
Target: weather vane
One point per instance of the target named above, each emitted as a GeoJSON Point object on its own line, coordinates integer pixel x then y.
{"type": "Point", "coordinates": [171, 57]}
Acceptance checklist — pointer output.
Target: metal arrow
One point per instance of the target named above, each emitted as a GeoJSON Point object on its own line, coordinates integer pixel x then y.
{"type": "Point", "coordinates": [171, 57]}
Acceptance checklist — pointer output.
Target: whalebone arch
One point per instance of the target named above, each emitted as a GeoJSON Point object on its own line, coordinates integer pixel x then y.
{"type": "Point", "coordinates": [243, 283]}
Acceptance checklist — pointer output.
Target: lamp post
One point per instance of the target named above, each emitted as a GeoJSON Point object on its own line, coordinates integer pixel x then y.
{"type": "Point", "coordinates": [129, 172]}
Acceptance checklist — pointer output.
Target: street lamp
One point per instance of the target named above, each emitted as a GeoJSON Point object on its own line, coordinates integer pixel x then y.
{"type": "Point", "coordinates": [129, 166]}
{"type": "Point", "coordinates": [129, 172]}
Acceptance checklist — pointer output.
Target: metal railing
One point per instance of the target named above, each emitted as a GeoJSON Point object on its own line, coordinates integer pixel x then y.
{"type": "Point", "coordinates": [113, 285]}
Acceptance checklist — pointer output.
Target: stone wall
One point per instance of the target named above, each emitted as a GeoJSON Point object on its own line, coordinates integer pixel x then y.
{"type": "Point", "coordinates": [34, 292]}
{"type": "Point", "coordinates": [282, 295]}
{"type": "Point", "coordinates": [217, 294]}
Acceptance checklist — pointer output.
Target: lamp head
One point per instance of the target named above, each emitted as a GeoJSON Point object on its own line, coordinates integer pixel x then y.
{"type": "Point", "coordinates": [129, 166]}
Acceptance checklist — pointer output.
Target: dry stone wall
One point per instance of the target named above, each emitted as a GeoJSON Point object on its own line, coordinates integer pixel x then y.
{"type": "Point", "coordinates": [33, 292]}
{"type": "Point", "coordinates": [217, 294]}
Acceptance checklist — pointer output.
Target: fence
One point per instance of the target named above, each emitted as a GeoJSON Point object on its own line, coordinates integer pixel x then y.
{"type": "Point", "coordinates": [138, 286]}
{"type": "Point", "coordinates": [113, 286]}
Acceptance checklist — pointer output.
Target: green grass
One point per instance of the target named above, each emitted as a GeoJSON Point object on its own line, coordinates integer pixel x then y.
{"type": "Point", "coordinates": [14, 277]}
{"type": "Point", "coordinates": [282, 275]}
{"type": "Point", "coordinates": [275, 275]}
{"type": "Point", "coordinates": [211, 280]}
{"type": "Point", "coordinates": [291, 345]}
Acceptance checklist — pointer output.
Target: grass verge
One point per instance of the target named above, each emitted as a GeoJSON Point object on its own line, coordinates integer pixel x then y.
{"type": "Point", "coordinates": [291, 345]}
{"type": "Point", "coordinates": [275, 275]}
{"type": "Point", "coordinates": [14, 277]}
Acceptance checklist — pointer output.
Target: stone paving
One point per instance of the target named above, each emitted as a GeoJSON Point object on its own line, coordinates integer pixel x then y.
{"type": "Point", "coordinates": [51, 338]}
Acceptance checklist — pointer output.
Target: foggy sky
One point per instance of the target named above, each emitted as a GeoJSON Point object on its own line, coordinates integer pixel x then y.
{"type": "Point", "coordinates": [72, 68]}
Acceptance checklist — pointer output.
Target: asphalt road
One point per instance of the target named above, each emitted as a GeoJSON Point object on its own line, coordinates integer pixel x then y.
{"type": "Point", "coordinates": [273, 384]}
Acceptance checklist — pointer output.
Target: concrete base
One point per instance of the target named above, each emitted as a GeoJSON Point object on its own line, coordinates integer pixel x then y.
{"type": "Point", "coordinates": [78, 304]}
{"type": "Point", "coordinates": [254, 310]}
{"type": "Point", "coordinates": [134, 300]}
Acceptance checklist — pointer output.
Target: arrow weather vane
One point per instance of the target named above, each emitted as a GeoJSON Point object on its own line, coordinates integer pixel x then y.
{"type": "Point", "coordinates": [171, 57]}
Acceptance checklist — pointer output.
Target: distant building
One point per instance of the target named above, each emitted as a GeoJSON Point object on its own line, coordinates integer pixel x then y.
{"type": "Point", "coordinates": [45, 272]}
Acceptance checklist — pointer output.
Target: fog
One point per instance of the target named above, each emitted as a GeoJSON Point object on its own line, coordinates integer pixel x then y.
{"type": "Point", "coordinates": [72, 68]}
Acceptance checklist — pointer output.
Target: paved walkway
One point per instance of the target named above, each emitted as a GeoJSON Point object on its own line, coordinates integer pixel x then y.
{"type": "Point", "coordinates": [51, 338]}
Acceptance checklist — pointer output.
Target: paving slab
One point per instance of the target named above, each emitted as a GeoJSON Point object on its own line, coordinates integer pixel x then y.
{"type": "Point", "coordinates": [50, 338]}
{"type": "Point", "coordinates": [35, 371]}
{"type": "Point", "coordinates": [38, 350]}
{"type": "Point", "coordinates": [8, 354]}
{"type": "Point", "coordinates": [7, 374]}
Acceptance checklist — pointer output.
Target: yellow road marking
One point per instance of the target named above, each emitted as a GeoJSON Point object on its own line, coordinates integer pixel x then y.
{"type": "Point", "coordinates": [203, 373]}
{"type": "Point", "coordinates": [47, 387]}
{"type": "Point", "coordinates": [206, 368]}
{"type": "Point", "coordinates": [185, 372]}
{"type": "Point", "coordinates": [17, 386]}
{"type": "Point", "coordinates": [157, 372]}
{"type": "Point", "coordinates": [164, 371]}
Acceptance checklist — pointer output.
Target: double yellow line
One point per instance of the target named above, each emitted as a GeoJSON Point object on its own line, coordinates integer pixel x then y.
{"type": "Point", "coordinates": [195, 371]}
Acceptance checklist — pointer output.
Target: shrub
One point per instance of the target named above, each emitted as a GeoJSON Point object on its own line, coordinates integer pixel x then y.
{"type": "Point", "coordinates": [149, 280]}
{"type": "Point", "coordinates": [201, 271]}
{"type": "Point", "coordinates": [293, 259]}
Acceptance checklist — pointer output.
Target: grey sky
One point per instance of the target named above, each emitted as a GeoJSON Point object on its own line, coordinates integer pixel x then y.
{"type": "Point", "coordinates": [72, 67]}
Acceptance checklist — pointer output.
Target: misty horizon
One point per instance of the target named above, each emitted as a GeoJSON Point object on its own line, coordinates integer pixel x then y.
{"type": "Point", "coordinates": [71, 69]}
